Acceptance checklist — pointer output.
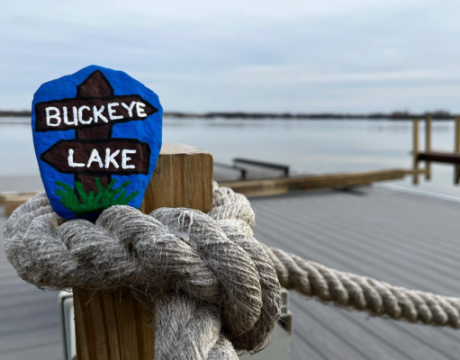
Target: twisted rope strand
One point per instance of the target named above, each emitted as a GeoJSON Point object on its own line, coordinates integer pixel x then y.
{"type": "Point", "coordinates": [233, 267]}
{"type": "Point", "coordinates": [365, 294]}
{"type": "Point", "coordinates": [185, 323]}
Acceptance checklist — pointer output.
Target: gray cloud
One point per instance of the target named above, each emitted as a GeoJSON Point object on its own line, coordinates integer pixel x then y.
{"type": "Point", "coordinates": [355, 55]}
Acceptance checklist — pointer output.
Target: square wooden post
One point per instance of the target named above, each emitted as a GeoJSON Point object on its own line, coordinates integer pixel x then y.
{"type": "Point", "coordinates": [457, 150]}
{"type": "Point", "coordinates": [112, 325]}
{"type": "Point", "coordinates": [415, 153]}
{"type": "Point", "coordinates": [428, 147]}
{"type": "Point", "coordinates": [182, 178]}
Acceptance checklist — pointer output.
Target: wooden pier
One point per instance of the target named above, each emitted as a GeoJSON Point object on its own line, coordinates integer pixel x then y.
{"type": "Point", "coordinates": [406, 239]}
{"type": "Point", "coordinates": [429, 156]}
{"type": "Point", "coordinates": [283, 185]}
{"type": "Point", "coordinates": [402, 238]}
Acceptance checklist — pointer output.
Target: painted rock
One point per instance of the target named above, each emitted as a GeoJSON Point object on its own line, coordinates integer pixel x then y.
{"type": "Point", "coordinates": [97, 137]}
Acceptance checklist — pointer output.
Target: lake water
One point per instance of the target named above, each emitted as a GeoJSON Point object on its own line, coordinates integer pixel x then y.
{"type": "Point", "coordinates": [308, 146]}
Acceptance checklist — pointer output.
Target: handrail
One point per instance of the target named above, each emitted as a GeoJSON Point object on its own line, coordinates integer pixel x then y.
{"type": "Point", "coordinates": [284, 168]}
{"type": "Point", "coordinates": [232, 167]}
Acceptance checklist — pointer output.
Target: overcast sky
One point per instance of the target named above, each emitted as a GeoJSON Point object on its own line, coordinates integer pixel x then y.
{"type": "Point", "coordinates": [249, 55]}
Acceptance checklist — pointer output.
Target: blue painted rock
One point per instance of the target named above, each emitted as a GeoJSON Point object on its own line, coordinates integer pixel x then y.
{"type": "Point", "coordinates": [97, 137]}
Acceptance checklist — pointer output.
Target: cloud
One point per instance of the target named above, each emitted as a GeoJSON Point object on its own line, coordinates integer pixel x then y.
{"type": "Point", "coordinates": [238, 55]}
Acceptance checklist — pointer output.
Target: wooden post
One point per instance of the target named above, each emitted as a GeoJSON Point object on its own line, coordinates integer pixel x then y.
{"type": "Point", "coordinates": [415, 152]}
{"type": "Point", "coordinates": [182, 178]}
{"type": "Point", "coordinates": [428, 147]}
{"type": "Point", "coordinates": [112, 325]}
{"type": "Point", "coordinates": [457, 150]}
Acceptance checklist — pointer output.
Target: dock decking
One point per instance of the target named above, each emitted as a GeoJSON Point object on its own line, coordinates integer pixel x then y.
{"type": "Point", "coordinates": [406, 239]}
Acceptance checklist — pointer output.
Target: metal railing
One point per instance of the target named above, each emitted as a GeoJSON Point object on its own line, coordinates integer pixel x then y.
{"type": "Point", "coordinates": [242, 171]}
{"type": "Point", "coordinates": [284, 168]}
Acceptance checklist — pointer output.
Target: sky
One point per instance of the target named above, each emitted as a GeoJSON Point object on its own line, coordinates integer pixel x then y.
{"type": "Point", "coordinates": [243, 55]}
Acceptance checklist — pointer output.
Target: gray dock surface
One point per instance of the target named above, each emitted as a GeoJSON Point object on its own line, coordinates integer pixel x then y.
{"type": "Point", "coordinates": [406, 239]}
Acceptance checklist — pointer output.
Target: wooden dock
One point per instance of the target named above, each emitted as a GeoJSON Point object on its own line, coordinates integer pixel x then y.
{"type": "Point", "coordinates": [261, 186]}
{"type": "Point", "coordinates": [429, 156]}
{"type": "Point", "coordinates": [406, 239]}
{"type": "Point", "coordinates": [276, 186]}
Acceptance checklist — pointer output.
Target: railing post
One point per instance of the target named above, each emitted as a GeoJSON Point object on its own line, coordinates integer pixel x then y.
{"type": "Point", "coordinates": [415, 153]}
{"type": "Point", "coordinates": [112, 325]}
{"type": "Point", "coordinates": [428, 147]}
{"type": "Point", "coordinates": [457, 150]}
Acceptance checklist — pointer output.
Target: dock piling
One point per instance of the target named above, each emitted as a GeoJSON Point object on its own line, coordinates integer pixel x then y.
{"type": "Point", "coordinates": [457, 150]}
{"type": "Point", "coordinates": [415, 152]}
{"type": "Point", "coordinates": [113, 325]}
{"type": "Point", "coordinates": [428, 147]}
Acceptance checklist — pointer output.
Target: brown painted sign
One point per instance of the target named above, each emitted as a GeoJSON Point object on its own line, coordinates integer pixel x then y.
{"type": "Point", "coordinates": [89, 112]}
{"type": "Point", "coordinates": [99, 157]}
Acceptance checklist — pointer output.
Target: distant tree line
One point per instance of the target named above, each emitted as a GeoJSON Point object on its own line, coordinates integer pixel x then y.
{"type": "Point", "coordinates": [395, 115]}
{"type": "Point", "coordinates": [15, 113]}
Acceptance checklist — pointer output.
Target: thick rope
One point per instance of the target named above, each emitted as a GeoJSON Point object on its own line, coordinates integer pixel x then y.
{"type": "Point", "coordinates": [365, 294]}
{"type": "Point", "coordinates": [216, 287]}
{"type": "Point", "coordinates": [169, 252]}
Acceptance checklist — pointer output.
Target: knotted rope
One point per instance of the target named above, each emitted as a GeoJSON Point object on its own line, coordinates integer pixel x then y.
{"type": "Point", "coordinates": [216, 287]}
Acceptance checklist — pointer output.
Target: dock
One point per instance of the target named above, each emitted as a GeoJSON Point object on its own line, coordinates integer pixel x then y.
{"type": "Point", "coordinates": [429, 156]}
{"type": "Point", "coordinates": [403, 238]}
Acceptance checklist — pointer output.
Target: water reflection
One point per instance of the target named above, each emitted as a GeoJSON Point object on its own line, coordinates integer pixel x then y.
{"type": "Point", "coordinates": [306, 145]}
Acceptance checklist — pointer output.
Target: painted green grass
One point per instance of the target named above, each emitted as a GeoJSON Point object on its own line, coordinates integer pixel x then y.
{"type": "Point", "coordinates": [87, 203]}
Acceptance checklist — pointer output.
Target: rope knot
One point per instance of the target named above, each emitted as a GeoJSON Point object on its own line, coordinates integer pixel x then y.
{"type": "Point", "coordinates": [250, 299]}
{"type": "Point", "coordinates": [204, 270]}
{"type": "Point", "coordinates": [216, 288]}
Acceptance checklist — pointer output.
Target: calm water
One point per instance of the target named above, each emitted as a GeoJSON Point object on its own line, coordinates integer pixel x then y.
{"type": "Point", "coordinates": [308, 146]}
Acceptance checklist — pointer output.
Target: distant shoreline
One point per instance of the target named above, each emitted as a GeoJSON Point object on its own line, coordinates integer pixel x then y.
{"type": "Point", "coordinates": [437, 115]}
